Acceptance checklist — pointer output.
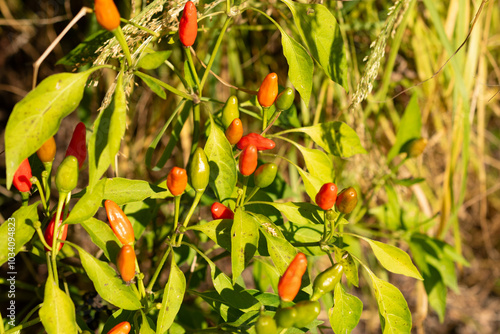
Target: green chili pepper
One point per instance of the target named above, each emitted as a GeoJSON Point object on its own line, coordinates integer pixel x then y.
{"type": "Point", "coordinates": [265, 175]}
{"type": "Point", "coordinates": [326, 281]}
{"type": "Point", "coordinates": [285, 317]}
{"type": "Point", "coordinates": [67, 175]}
{"type": "Point", "coordinates": [265, 325]}
{"type": "Point", "coordinates": [230, 111]}
{"type": "Point", "coordinates": [199, 171]}
{"type": "Point", "coordinates": [285, 99]}
{"type": "Point", "coordinates": [307, 311]}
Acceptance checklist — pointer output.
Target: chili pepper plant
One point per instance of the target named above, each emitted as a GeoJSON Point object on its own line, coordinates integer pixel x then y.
{"type": "Point", "coordinates": [206, 243]}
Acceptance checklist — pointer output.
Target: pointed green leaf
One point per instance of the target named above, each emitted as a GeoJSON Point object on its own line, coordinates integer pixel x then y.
{"type": "Point", "coordinates": [244, 241]}
{"type": "Point", "coordinates": [154, 60]}
{"type": "Point", "coordinates": [281, 251]}
{"type": "Point", "coordinates": [38, 115]}
{"type": "Point", "coordinates": [321, 33]}
{"type": "Point", "coordinates": [58, 311]}
{"type": "Point", "coordinates": [123, 191]}
{"type": "Point", "coordinates": [346, 312]}
{"type": "Point", "coordinates": [173, 296]}
{"type": "Point", "coordinates": [103, 237]}
{"type": "Point", "coordinates": [87, 206]}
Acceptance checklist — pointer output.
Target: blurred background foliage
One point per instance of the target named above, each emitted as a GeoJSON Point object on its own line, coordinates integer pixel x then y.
{"type": "Point", "coordinates": [445, 54]}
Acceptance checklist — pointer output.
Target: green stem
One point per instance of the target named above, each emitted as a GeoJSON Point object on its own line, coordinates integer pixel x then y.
{"type": "Point", "coordinates": [214, 53]}
{"type": "Point", "coordinates": [264, 118]}
{"type": "Point", "coordinates": [192, 68]}
{"type": "Point", "coordinates": [46, 180]}
{"type": "Point", "coordinates": [272, 122]}
{"type": "Point", "coordinates": [149, 31]}
{"type": "Point", "coordinates": [27, 324]}
{"type": "Point", "coordinates": [56, 234]}
{"type": "Point", "coordinates": [177, 200]}
{"type": "Point", "coordinates": [123, 43]}
{"type": "Point", "coordinates": [196, 200]}
{"type": "Point", "coordinates": [35, 180]}
{"type": "Point", "coordinates": [42, 238]}
{"type": "Point", "coordinates": [245, 184]}
{"type": "Point", "coordinates": [158, 270]}
{"type": "Point", "coordinates": [165, 85]}
{"type": "Point", "coordinates": [252, 193]}
{"type": "Point", "coordinates": [25, 197]}
{"type": "Point", "coordinates": [196, 127]}
{"type": "Point", "coordinates": [140, 282]}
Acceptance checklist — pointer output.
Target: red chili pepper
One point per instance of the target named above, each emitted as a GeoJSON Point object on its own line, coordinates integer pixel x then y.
{"type": "Point", "coordinates": [119, 222]}
{"type": "Point", "coordinates": [248, 160]}
{"type": "Point", "coordinates": [177, 181]}
{"type": "Point", "coordinates": [188, 27]}
{"type": "Point", "coordinates": [256, 140]}
{"type": "Point", "coordinates": [49, 232]}
{"type": "Point", "coordinates": [268, 90]}
{"type": "Point", "coordinates": [126, 262]}
{"type": "Point", "coordinates": [22, 177]}
{"type": "Point", "coordinates": [289, 283]}
{"type": "Point", "coordinates": [77, 146]}
{"type": "Point", "coordinates": [220, 211]}
{"type": "Point", "coordinates": [234, 131]}
{"type": "Point", "coordinates": [326, 196]}
{"type": "Point", "coordinates": [121, 328]}
{"type": "Point", "coordinates": [107, 14]}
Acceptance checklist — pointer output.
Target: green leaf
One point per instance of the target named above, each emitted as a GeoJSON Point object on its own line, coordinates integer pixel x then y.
{"type": "Point", "coordinates": [152, 83]}
{"type": "Point", "coordinates": [140, 215]}
{"type": "Point", "coordinates": [409, 127]}
{"type": "Point", "coordinates": [244, 241]}
{"type": "Point", "coordinates": [300, 213]}
{"type": "Point", "coordinates": [173, 295]}
{"type": "Point", "coordinates": [103, 237]}
{"type": "Point", "coordinates": [336, 138]}
{"type": "Point", "coordinates": [16, 231]}
{"type": "Point", "coordinates": [346, 312]}
{"type": "Point", "coordinates": [109, 128]}
{"type": "Point", "coordinates": [107, 283]}
{"type": "Point", "coordinates": [87, 206]}
{"type": "Point", "coordinates": [300, 66]}
{"type": "Point", "coordinates": [392, 307]}
{"type": "Point", "coordinates": [281, 251]}
{"type": "Point", "coordinates": [318, 164]}
{"type": "Point", "coordinates": [145, 325]}
{"type": "Point", "coordinates": [154, 60]}
{"type": "Point", "coordinates": [123, 191]}
{"type": "Point", "coordinates": [350, 268]}
{"type": "Point", "coordinates": [321, 33]}
{"type": "Point", "coordinates": [58, 311]}
{"type": "Point", "coordinates": [38, 115]}
{"type": "Point", "coordinates": [217, 230]}
{"type": "Point", "coordinates": [408, 182]}
{"type": "Point", "coordinates": [393, 259]}
{"type": "Point", "coordinates": [223, 175]}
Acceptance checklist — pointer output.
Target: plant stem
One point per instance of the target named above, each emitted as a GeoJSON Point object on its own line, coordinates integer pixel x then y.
{"type": "Point", "coordinates": [123, 43]}
{"type": "Point", "coordinates": [214, 53]}
{"type": "Point", "coordinates": [25, 198]}
{"type": "Point", "coordinates": [196, 200]}
{"type": "Point", "coordinates": [27, 324]}
{"type": "Point", "coordinates": [165, 85]}
{"type": "Point", "coordinates": [193, 69]}
{"type": "Point", "coordinates": [42, 238]}
{"type": "Point", "coordinates": [177, 200]}
{"type": "Point", "coordinates": [35, 180]}
{"type": "Point", "coordinates": [264, 118]}
{"type": "Point", "coordinates": [56, 234]}
{"type": "Point", "coordinates": [196, 127]}
{"type": "Point", "coordinates": [252, 193]}
{"type": "Point", "coordinates": [149, 31]}
{"type": "Point", "coordinates": [158, 270]}
{"type": "Point", "coordinates": [140, 282]}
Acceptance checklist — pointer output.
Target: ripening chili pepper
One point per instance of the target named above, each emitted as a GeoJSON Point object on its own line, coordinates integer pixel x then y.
{"type": "Point", "coordinates": [107, 14]}
{"type": "Point", "coordinates": [220, 211]}
{"type": "Point", "coordinates": [285, 317]}
{"type": "Point", "coordinates": [230, 111]}
{"type": "Point", "coordinates": [188, 26]}
{"type": "Point", "coordinates": [307, 311]}
{"type": "Point", "coordinates": [121, 328]}
{"type": "Point", "coordinates": [265, 175]}
{"type": "Point", "coordinates": [347, 200]}
{"type": "Point", "coordinates": [285, 99]}
{"type": "Point", "coordinates": [22, 177]}
{"type": "Point", "coordinates": [119, 222]}
{"type": "Point", "coordinates": [126, 262]}
{"type": "Point", "coordinates": [248, 160]}
{"type": "Point", "coordinates": [289, 283]}
{"type": "Point", "coordinates": [257, 140]}
{"type": "Point", "coordinates": [268, 90]}
{"type": "Point", "coordinates": [77, 146]}
{"type": "Point", "coordinates": [47, 151]}
{"type": "Point", "coordinates": [177, 181]}
{"type": "Point", "coordinates": [415, 147]}
{"type": "Point", "coordinates": [235, 131]}
{"type": "Point", "coordinates": [326, 281]}
{"type": "Point", "coordinates": [49, 232]}
{"type": "Point", "coordinates": [326, 196]}
{"type": "Point", "coordinates": [265, 325]}
{"type": "Point", "coordinates": [67, 175]}
{"type": "Point", "coordinates": [199, 170]}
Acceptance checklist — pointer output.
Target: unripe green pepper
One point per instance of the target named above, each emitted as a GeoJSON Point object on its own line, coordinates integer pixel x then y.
{"type": "Point", "coordinates": [265, 175]}
{"type": "Point", "coordinates": [285, 99]}
{"type": "Point", "coordinates": [67, 175]}
{"type": "Point", "coordinates": [415, 147]}
{"type": "Point", "coordinates": [307, 311]}
{"type": "Point", "coordinates": [285, 317]}
{"type": "Point", "coordinates": [199, 170]}
{"type": "Point", "coordinates": [326, 281]}
{"type": "Point", "coordinates": [230, 111]}
{"type": "Point", "coordinates": [266, 325]}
